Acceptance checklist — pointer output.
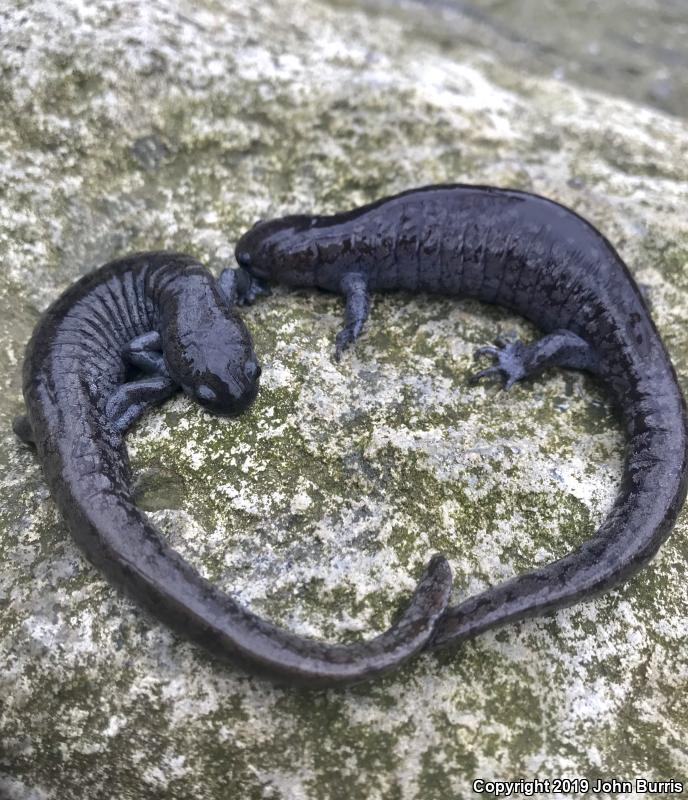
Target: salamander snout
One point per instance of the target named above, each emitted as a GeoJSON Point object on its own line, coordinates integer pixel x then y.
{"type": "Point", "coordinates": [228, 395]}
{"type": "Point", "coordinates": [222, 385]}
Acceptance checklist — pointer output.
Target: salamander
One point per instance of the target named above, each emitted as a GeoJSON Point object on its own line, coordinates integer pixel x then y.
{"type": "Point", "coordinates": [543, 261]}
{"type": "Point", "coordinates": [122, 339]}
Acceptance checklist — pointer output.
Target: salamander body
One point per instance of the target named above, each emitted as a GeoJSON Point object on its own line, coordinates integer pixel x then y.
{"type": "Point", "coordinates": [543, 261]}
{"type": "Point", "coordinates": [118, 341]}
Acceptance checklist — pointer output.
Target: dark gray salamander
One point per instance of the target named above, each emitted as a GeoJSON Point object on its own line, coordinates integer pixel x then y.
{"type": "Point", "coordinates": [543, 261]}
{"type": "Point", "coordinates": [119, 340]}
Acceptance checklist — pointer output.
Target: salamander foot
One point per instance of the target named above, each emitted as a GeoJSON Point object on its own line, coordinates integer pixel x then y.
{"type": "Point", "coordinates": [510, 361]}
{"type": "Point", "coordinates": [132, 399]}
{"type": "Point", "coordinates": [516, 360]}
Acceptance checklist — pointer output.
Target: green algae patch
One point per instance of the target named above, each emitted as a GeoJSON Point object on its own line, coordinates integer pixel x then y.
{"type": "Point", "coordinates": [319, 507]}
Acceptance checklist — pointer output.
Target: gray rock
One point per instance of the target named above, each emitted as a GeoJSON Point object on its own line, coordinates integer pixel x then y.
{"type": "Point", "coordinates": [129, 127]}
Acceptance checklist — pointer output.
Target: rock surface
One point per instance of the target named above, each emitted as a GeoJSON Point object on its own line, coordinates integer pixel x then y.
{"type": "Point", "coordinates": [140, 126]}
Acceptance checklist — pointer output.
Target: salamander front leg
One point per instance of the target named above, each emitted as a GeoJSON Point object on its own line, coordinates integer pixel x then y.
{"type": "Point", "coordinates": [239, 287]}
{"type": "Point", "coordinates": [131, 399]}
{"type": "Point", "coordinates": [516, 360]}
{"type": "Point", "coordinates": [145, 352]}
{"type": "Point", "coordinates": [354, 286]}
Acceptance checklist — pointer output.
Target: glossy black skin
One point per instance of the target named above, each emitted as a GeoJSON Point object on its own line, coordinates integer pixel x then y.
{"type": "Point", "coordinates": [164, 314]}
{"type": "Point", "coordinates": [543, 261]}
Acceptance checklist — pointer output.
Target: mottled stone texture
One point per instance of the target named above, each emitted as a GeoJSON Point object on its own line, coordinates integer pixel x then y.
{"type": "Point", "coordinates": [138, 126]}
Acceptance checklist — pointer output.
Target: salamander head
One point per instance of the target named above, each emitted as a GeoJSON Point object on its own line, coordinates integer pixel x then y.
{"type": "Point", "coordinates": [281, 250]}
{"type": "Point", "coordinates": [213, 360]}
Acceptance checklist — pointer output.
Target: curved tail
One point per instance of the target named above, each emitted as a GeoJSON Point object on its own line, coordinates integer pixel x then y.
{"type": "Point", "coordinates": [119, 539]}
{"type": "Point", "coordinates": [652, 492]}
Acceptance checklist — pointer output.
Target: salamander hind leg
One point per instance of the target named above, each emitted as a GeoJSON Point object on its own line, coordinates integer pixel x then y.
{"type": "Point", "coordinates": [515, 360]}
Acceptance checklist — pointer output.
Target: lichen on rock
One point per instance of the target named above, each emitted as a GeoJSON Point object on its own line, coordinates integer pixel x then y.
{"type": "Point", "coordinates": [130, 127]}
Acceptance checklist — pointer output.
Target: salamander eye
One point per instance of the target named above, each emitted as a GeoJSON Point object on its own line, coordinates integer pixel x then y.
{"type": "Point", "coordinates": [205, 393]}
{"type": "Point", "coordinates": [244, 259]}
{"type": "Point", "coordinates": [252, 371]}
